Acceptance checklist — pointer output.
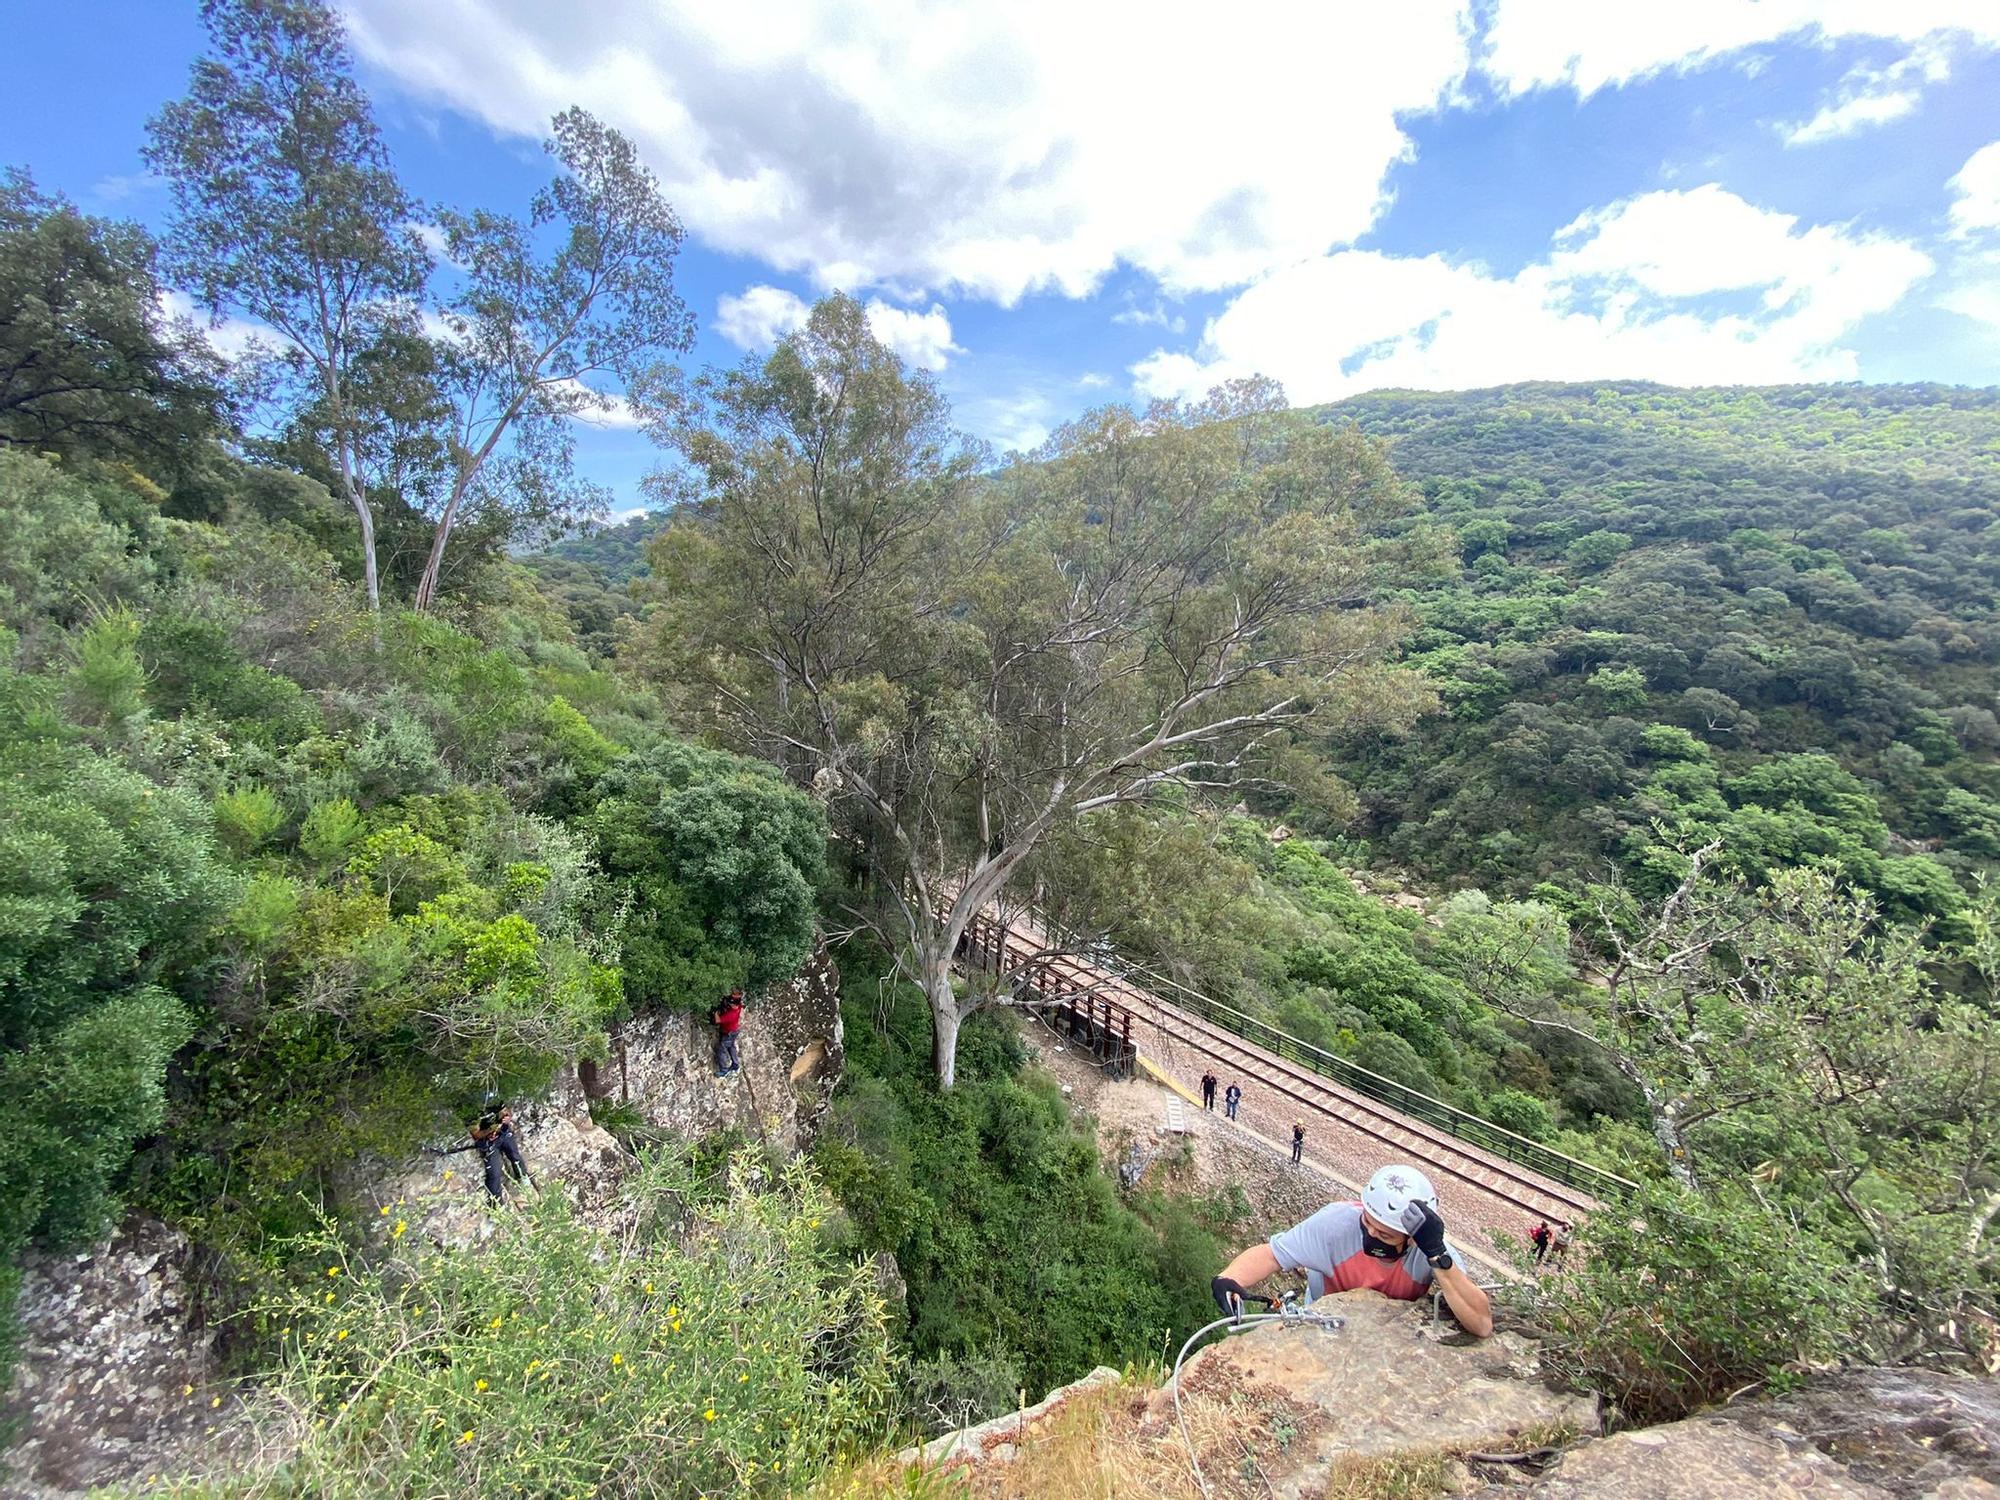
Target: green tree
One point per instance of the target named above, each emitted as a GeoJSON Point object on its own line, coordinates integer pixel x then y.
{"type": "Point", "coordinates": [89, 363]}
{"type": "Point", "coordinates": [526, 327]}
{"type": "Point", "coordinates": [964, 667]}
{"type": "Point", "coordinates": [286, 210]}
{"type": "Point", "coordinates": [721, 859]}
{"type": "Point", "coordinates": [108, 886]}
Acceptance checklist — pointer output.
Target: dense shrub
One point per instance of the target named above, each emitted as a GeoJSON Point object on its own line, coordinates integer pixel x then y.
{"type": "Point", "coordinates": [719, 1346]}
{"type": "Point", "coordinates": [1017, 1249]}
{"type": "Point", "coordinates": [1676, 1300]}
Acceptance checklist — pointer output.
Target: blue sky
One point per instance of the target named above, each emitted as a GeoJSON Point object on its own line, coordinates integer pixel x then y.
{"type": "Point", "coordinates": [1053, 206]}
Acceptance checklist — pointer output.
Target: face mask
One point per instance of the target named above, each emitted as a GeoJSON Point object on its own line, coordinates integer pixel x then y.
{"type": "Point", "coordinates": [1380, 1249]}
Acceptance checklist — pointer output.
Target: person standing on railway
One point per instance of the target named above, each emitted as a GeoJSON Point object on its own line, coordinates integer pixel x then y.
{"type": "Point", "coordinates": [1391, 1242]}
{"type": "Point", "coordinates": [1231, 1097]}
{"type": "Point", "coordinates": [1298, 1141]}
{"type": "Point", "coordinates": [1539, 1237]}
{"type": "Point", "coordinates": [1559, 1243]}
{"type": "Point", "coordinates": [1208, 1090]}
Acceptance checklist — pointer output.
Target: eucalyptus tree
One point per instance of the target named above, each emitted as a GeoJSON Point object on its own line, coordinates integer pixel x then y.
{"type": "Point", "coordinates": [963, 663]}
{"type": "Point", "coordinates": [286, 211]}
{"type": "Point", "coordinates": [583, 287]}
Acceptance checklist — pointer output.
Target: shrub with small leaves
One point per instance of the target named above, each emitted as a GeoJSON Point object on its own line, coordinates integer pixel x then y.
{"type": "Point", "coordinates": [1674, 1300]}
{"type": "Point", "coordinates": [718, 1346]}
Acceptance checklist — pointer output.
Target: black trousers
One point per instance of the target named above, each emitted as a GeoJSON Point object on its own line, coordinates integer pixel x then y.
{"type": "Point", "coordinates": [503, 1147]}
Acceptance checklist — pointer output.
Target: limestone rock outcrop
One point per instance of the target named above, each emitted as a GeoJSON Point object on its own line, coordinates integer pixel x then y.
{"type": "Point", "coordinates": [115, 1373]}
{"type": "Point", "coordinates": [1868, 1434]}
{"type": "Point", "coordinates": [1389, 1380]}
{"type": "Point", "coordinates": [662, 1068]}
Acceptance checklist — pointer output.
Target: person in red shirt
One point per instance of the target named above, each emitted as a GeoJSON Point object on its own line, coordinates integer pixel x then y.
{"type": "Point", "coordinates": [1391, 1242]}
{"type": "Point", "coordinates": [728, 1019]}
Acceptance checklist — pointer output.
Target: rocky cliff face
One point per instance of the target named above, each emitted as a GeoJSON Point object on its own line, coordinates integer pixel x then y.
{"type": "Point", "coordinates": [1391, 1404]}
{"type": "Point", "coordinates": [662, 1068]}
{"type": "Point", "coordinates": [116, 1380]}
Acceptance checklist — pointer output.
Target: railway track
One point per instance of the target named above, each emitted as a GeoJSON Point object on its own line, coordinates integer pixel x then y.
{"type": "Point", "coordinates": [1511, 1194]}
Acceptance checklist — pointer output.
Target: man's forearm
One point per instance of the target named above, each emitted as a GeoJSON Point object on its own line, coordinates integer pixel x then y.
{"type": "Point", "coordinates": [1252, 1266]}
{"type": "Point", "coordinates": [1469, 1304]}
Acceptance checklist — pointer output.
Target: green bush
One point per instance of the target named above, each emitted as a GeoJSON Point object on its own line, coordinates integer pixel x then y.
{"type": "Point", "coordinates": [1672, 1301]}
{"type": "Point", "coordinates": [721, 858]}
{"type": "Point", "coordinates": [719, 1348]}
{"type": "Point", "coordinates": [1014, 1242]}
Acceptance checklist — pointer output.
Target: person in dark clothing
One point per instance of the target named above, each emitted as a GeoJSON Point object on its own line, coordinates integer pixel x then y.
{"type": "Point", "coordinates": [1208, 1091]}
{"type": "Point", "coordinates": [1231, 1097]}
{"type": "Point", "coordinates": [493, 1138]}
{"type": "Point", "coordinates": [728, 1019]}
{"type": "Point", "coordinates": [1298, 1141]}
{"type": "Point", "coordinates": [1539, 1237]}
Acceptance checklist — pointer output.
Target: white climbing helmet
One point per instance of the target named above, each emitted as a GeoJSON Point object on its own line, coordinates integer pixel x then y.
{"type": "Point", "coordinates": [1394, 1189]}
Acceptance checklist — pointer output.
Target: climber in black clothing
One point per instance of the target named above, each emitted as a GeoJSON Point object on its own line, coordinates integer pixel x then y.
{"type": "Point", "coordinates": [493, 1138]}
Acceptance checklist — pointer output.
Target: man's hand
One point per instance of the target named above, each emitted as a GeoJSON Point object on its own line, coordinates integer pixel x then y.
{"type": "Point", "coordinates": [1228, 1296]}
{"type": "Point", "coordinates": [1422, 1224]}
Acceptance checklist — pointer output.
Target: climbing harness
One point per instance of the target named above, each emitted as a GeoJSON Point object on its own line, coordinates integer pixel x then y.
{"type": "Point", "coordinates": [1291, 1312]}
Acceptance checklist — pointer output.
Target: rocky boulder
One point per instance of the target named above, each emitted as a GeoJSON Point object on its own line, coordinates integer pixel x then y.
{"type": "Point", "coordinates": [115, 1375]}
{"type": "Point", "coordinates": [1389, 1380]}
{"type": "Point", "coordinates": [1869, 1434]}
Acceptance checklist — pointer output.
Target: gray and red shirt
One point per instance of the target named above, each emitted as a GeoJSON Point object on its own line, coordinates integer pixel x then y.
{"type": "Point", "coordinates": [1330, 1248]}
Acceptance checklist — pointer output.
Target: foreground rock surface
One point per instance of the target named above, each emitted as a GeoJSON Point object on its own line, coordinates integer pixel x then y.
{"type": "Point", "coordinates": [1389, 1380]}
{"type": "Point", "coordinates": [1856, 1435]}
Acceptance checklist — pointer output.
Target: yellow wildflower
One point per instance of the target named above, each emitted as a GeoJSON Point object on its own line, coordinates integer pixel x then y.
{"type": "Point", "coordinates": [216, 1402]}
{"type": "Point", "coordinates": [333, 1270]}
{"type": "Point", "coordinates": [340, 1335]}
{"type": "Point", "coordinates": [479, 1385]}
{"type": "Point", "coordinates": [709, 1415]}
{"type": "Point", "coordinates": [465, 1437]}
{"type": "Point", "coordinates": [397, 1232]}
{"type": "Point", "coordinates": [618, 1359]}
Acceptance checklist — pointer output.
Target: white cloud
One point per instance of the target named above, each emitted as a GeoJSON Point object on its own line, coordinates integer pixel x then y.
{"type": "Point", "coordinates": [1681, 287]}
{"type": "Point", "coordinates": [1156, 315]}
{"type": "Point", "coordinates": [757, 317]}
{"type": "Point", "coordinates": [1590, 44]}
{"type": "Point", "coordinates": [1090, 380]}
{"type": "Point", "coordinates": [1851, 115]}
{"type": "Point", "coordinates": [921, 339]}
{"type": "Point", "coordinates": [608, 410]}
{"type": "Point", "coordinates": [1868, 96]}
{"type": "Point", "coordinates": [1013, 424]}
{"type": "Point", "coordinates": [989, 151]}
{"type": "Point", "coordinates": [1975, 201]}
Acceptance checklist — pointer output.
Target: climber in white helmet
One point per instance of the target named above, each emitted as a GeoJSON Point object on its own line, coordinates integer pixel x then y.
{"type": "Point", "coordinates": [1391, 1242]}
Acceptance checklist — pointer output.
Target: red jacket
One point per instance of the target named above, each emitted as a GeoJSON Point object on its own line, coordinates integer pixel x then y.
{"type": "Point", "coordinates": [729, 1015]}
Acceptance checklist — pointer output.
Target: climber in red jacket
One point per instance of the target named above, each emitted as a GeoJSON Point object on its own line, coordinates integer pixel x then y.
{"type": "Point", "coordinates": [728, 1019]}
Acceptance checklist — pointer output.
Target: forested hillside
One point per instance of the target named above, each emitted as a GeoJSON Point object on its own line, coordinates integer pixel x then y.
{"type": "Point", "coordinates": [1801, 578]}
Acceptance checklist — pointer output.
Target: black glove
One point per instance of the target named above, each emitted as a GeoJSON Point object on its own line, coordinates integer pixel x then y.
{"type": "Point", "coordinates": [1228, 1296]}
{"type": "Point", "coordinates": [1422, 1224]}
